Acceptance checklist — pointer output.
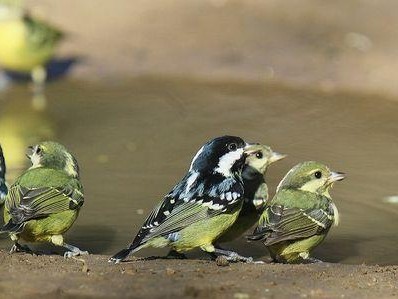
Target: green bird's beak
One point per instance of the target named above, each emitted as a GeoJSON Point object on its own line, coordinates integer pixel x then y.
{"type": "Point", "coordinates": [277, 156]}
{"type": "Point", "coordinates": [336, 176]}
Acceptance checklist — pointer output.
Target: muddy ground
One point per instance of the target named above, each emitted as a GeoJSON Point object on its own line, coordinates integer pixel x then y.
{"type": "Point", "coordinates": [27, 276]}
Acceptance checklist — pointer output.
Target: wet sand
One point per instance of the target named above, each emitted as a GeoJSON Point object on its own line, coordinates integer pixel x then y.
{"type": "Point", "coordinates": [27, 276]}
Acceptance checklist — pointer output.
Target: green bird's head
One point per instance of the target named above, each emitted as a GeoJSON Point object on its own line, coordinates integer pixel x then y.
{"type": "Point", "coordinates": [311, 177]}
{"type": "Point", "coordinates": [53, 155]}
{"type": "Point", "coordinates": [259, 157]}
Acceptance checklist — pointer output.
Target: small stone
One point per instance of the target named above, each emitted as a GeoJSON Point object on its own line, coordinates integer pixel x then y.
{"type": "Point", "coordinates": [222, 261]}
{"type": "Point", "coordinates": [170, 271]}
{"type": "Point", "coordinates": [241, 296]}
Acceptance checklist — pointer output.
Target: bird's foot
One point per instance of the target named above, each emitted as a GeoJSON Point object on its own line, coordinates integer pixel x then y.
{"type": "Point", "coordinates": [235, 258]}
{"type": "Point", "coordinates": [232, 256]}
{"type": "Point", "coordinates": [70, 254]}
{"type": "Point", "coordinates": [309, 260]}
{"type": "Point", "coordinates": [73, 251]}
{"type": "Point", "coordinates": [20, 248]}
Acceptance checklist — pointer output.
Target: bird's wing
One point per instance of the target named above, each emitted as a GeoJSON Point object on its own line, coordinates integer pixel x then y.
{"type": "Point", "coordinates": [280, 223]}
{"type": "Point", "coordinates": [25, 204]}
{"type": "Point", "coordinates": [173, 214]}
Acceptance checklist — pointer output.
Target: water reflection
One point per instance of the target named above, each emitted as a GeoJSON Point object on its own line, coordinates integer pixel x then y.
{"type": "Point", "coordinates": [21, 124]}
{"type": "Point", "coordinates": [134, 140]}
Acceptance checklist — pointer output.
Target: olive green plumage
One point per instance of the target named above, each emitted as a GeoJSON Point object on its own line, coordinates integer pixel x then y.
{"type": "Point", "coordinates": [44, 202]}
{"type": "Point", "coordinates": [255, 191]}
{"type": "Point", "coordinates": [301, 213]}
{"type": "Point", "coordinates": [28, 43]}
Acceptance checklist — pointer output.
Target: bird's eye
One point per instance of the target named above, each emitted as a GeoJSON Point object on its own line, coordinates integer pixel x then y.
{"type": "Point", "coordinates": [232, 146]}
{"type": "Point", "coordinates": [318, 174]}
{"type": "Point", "coordinates": [259, 155]}
{"type": "Point", "coordinates": [38, 150]}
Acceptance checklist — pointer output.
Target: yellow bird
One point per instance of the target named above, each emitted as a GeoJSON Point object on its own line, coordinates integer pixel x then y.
{"type": "Point", "coordinates": [26, 43]}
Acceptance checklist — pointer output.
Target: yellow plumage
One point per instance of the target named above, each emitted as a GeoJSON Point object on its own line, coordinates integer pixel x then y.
{"type": "Point", "coordinates": [26, 43]}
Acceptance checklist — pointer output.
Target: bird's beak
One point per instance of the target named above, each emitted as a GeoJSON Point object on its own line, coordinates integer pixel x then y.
{"type": "Point", "coordinates": [277, 156]}
{"type": "Point", "coordinates": [30, 151]}
{"type": "Point", "coordinates": [336, 176]}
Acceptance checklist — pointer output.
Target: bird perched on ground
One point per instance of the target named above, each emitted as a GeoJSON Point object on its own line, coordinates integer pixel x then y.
{"type": "Point", "coordinates": [3, 185]}
{"type": "Point", "coordinates": [27, 43]}
{"type": "Point", "coordinates": [45, 201]}
{"type": "Point", "coordinates": [255, 190]}
{"type": "Point", "coordinates": [203, 205]}
{"type": "Point", "coordinates": [301, 213]}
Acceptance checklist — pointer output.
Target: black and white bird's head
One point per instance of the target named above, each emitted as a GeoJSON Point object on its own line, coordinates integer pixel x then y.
{"type": "Point", "coordinates": [223, 155]}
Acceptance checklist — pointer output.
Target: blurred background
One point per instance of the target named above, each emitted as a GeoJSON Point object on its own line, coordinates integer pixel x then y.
{"type": "Point", "coordinates": [134, 88]}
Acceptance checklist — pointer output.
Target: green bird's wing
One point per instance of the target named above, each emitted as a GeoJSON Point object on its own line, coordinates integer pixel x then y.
{"type": "Point", "coordinates": [183, 216]}
{"type": "Point", "coordinates": [27, 203]}
{"type": "Point", "coordinates": [280, 223]}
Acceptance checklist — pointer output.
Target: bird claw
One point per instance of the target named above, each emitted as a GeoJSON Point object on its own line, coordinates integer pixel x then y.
{"type": "Point", "coordinates": [70, 254]}
{"type": "Point", "coordinates": [235, 258]}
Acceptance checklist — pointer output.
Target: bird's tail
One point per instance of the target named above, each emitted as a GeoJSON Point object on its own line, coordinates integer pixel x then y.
{"type": "Point", "coordinates": [11, 227]}
{"type": "Point", "coordinates": [120, 256]}
{"type": "Point", "coordinates": [124, 253]}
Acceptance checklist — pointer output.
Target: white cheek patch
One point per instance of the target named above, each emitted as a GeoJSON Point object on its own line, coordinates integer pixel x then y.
{"type": "Point", "coordinates": [227, 161]}
{"type": "Point", "coordinates": [35, 159]}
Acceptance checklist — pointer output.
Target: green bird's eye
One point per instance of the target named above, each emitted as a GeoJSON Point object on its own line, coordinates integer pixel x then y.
{"type": "Point", "coordinates": [318, 174]}
{"type": "Point", "coordinates": [232, 146]}
{"type": "Point", "coordinates": [259, 155]}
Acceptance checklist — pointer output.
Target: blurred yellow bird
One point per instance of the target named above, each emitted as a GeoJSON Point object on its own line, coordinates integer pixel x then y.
{"type": "Point", "coordinates": [26, 43]}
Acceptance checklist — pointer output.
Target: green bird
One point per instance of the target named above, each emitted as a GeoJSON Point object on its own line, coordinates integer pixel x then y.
{"type": "Point", "coordinates": [301, 213]}
{"type": "Point", "coordinates": [28, 43]}
{"type": "Point", "coordinates": [255, 190]}
{"type": "Point", "coordinates": [45, 200]}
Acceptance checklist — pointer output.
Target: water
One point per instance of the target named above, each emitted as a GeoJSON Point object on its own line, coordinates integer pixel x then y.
{"type": "Point", "coordinates": [134, 140]}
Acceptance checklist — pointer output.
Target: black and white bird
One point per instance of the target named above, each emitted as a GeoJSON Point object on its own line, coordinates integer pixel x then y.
{"type": "Point", "coordinates": [203, 205]}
